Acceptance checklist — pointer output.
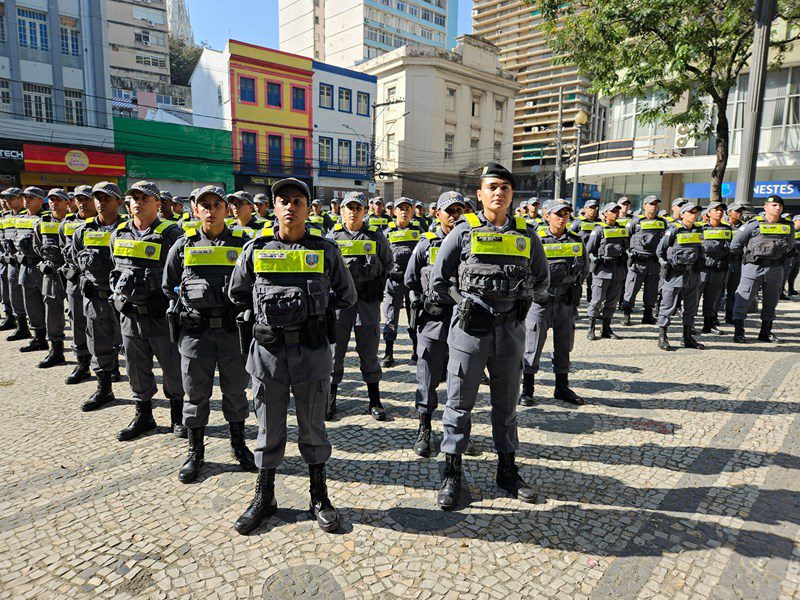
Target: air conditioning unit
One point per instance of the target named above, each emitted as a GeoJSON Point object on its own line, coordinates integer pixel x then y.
{"type": "Point", "coordinates": [145, 43]}
{"type": "Point", "coordinates": [684, 139]}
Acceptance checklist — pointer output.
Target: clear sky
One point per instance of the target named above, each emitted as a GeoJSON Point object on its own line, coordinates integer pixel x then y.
{"type": "Point", "coordinates": [256, 21]}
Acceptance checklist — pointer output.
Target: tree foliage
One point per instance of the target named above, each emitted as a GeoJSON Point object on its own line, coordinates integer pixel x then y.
{"type": "Point", "coordinates": [183, 59]}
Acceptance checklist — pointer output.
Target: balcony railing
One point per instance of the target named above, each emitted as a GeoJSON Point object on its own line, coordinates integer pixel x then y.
{"type": "Point", "coordinates": [626, 149]}
{"type": "Point", "coordinates": [274, 168]}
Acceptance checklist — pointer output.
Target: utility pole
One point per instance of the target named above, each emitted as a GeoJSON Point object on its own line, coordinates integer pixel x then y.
{"type": "Point", "coordinates": [559, 139]}
{"type": "Point", "coordinates": [746, 177]}
{"type": "Point", "coordinates": [375, 106]}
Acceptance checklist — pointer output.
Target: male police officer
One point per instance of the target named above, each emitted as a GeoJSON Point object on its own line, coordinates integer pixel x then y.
{"type": "Point", "coordinates": [245, 218]}
{"type": "Point", "coordinates": [500, 268]}
{"type": "Point", "coordinates": [645, 234]}
{"type": "Point", "coordinates": [794, 268]}
{"type": "Point", "coordinates": [291, 277]}
{"type": "Point", "coordinates": [30, 278]}
{"type": "Point", "coordinates": [91, 253]}
{"type": "Point", "coordinates": [6, 216]}
{"type": "Point", "coordinates": [85, 210]}
{"type": "Point", "coordinates": [764, 243]}
{"type": "Point", "coordinates": [624, 211]}
{"type": "Point", "coordinates": [189, 220]}
{"type": "Point", "coordinates": [583, 226]}
{"type": "Point", "coordinates": [567, 264]}
{"type": "Point", "coordinates": [369, 259]}
{"type": "Point", "coordinates": [433, 320]}
{"type": "Point", "coordinates": [607, 249]}
{"type": "Point", "coordinates": [735, 220]}
{"type": "Point", "coordinates": [203, 324]}
{"type": "Point", "coordinates": [680, 253]}
{"type": "Point", "coordinates": [47, 245]}
{"type": "Point", "coordinates": [335, 215]}
{"type": "Point", "coordinates": [16, 208]}
{"type": "Point", "coordinates": [319, 219]}
{"type": "Point", "coordinates": [717, 236]}
{"type": "Point", "coordinates": [676, 210]}
{"type": "Point", "coordinates": [139, 249]}
{"type": "Point", "coordinates": [165, 212]}
{"type": "Point", "coordinates": [403, 235]}
{"type": "Point", "coordinates": [260, 202]}
{"type": "Point", "coordinates": [378, 218]}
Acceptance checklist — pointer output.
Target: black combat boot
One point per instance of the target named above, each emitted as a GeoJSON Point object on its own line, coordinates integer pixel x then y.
{"type": "Point", "coordinates": [710, 326]}
{"type": "Point", "coordinates": [729, 317]}
{"type": "Point", "coordinates": [239, 450]}
{"type": "Point", "coordinates": [9, 323]}
{"type": "Point", "coordinates": [388, 355]}
{"type": "Point", "coordinates": [37, 344]}
{"type": "Point", "coordinates": [591, 335]}
{"type": "Point", "coordinates": [526, 397]}
{"type": "Point", "coordinates": [563, 392]}
{"type": "Point", "coordinates": [647, 317]}
{"type": "Point", "coordinates": [263, 504]}
{"type": "Point", "coordinates": [375, 407]}
{"type": "Point", "coordinates": [607, 332]}
{"type": "Point", "coordinates": [330, 411]}
{"type": "Point", "coordinates": [80, 372]}
{"type": "Point", "coordinates": [116, 376]}
{"type": "Point", "coordinates": [738, 332]}
{"type": "Point", "coordinates": [766, 335]}
{"type": "Point", "coordinates": [102, 395]}
{"type": "Point", "coordinates": [54, 357]}
{"type": "Point", "coordinates": [508, 478]}
{"type": "Point", "coordinates": [784, 295]}
{"type": "Point", "coordinates": [176, 418]}
{"type": "Point", "coordinates": [414, 356]}
{"type": "Point", "coordinates": [689, 340]}
{"type": "Point", "coordinates": [422, 446]}
{"type": "Point", "coordinates": [626, 320]}
{"type": "Point", "coordinates": [451, 483]}
{"type": "Point", "coordinates": [327, 516]}
{"type": "Point", "coordinates": [142, 422]}
{"type": "Point", "coordinates": [792, 292]}
{"type": "Point", "coordinates": [197, 453]}
{"type": "Point", "coordinates": [21, 332]}
{"type": "Point", "coordinates": [663, 341]}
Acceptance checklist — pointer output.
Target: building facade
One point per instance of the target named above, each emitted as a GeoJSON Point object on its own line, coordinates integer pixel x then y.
{"type": "Point", "coordinates": [449, 113]}
{"type": "Point", "coordinates": [178, 22]}
{"type": "Point", "coordinates": [343, 114]}
{"type": "Point", "coordinates": [346, 32]}
{"type": "Point", "coordinates": [263, 97]}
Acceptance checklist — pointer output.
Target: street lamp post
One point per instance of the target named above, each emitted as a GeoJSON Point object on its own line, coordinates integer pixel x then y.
{"type": "Point", "coordinates": [580, 120]}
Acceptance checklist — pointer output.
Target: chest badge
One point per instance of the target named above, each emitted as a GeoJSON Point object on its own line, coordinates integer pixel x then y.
{"type": "Point", "coordinates": [149, 250]}
{"type": "Point", "coordinates": [368, 247]}
{"type": "Point", "coordinates": [232, 255]}
{"type": "Point", "coordinates": [311, 260]}
{"type": "Point", "coordinates": [520, 244]}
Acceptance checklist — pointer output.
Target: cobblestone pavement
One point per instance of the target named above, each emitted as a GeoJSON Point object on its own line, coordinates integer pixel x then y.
{"type": "Point", "coordinates": [678, 480]}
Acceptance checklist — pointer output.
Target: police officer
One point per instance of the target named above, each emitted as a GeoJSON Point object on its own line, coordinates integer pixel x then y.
{"type": "Point", "coordinates": [680, 253]}
{"type": "Point", "coordinates": [607, 250]}
{"type": "Point", "coordinates": [403, 235]}
{"type": "Point", "coordinates": [245, 218]}
{"type": "Point", "coordinates": [139, 249]}
{"type": "Point", "coordinates": [624, 211]}
{"type": "Point", "coordinates": [764, 243]}
{"type": "Point", "coordinates": [334, 215]}
{"type": "Point", "coordinates": [794, 267]}
{"type": "Point", "coordinates": [69, 271]}
{"type": "Point", "coordinates": [433, 320]}
{"type": "Point", "coordinates": [566, 260]}
{"type": "Point", "coordinates": [534, 217]}
{"type": "Point", "coordinates": [583, 226]}
{"type": "Point", "coordinates": [369, 259]}
{"type": "Point", "coordinates": [717, 236]}
{"type": "Point", "coordinates": [735, 221]}
{"type": "Point", "coordinates": [189, 220]}
{"type": "Point", "coordinates": [418, 215]}
{"type": "Point", "coordinates": [30, 278]}
{"type": "Point", "coordinates": [47, 245]}
{"type": "Point", "coordinates": [13, 299]}
{"type": "Point", "coordinates": [390, 210]}
{"type": "Point", "coordinates": [319, 219]}
{"type": "Point", "coordinates": [433, 218]}
{"type": "Point", "coordinates": [9, 321]}
{"type": "Point", "coordinates": [645, 234]}
{"type": "Point", "coordinates": [261, 204]}
{"type": "Point", "coordinates": [500, 268]}
{"type": "Point", "coordinates": [378, 218]}
{"type": "Point", "coordinates": [676, 210]}
{"type": "Point", "coordinates": [203, 324]}
{"type": "Point", "coordinates": [291, 278]}
{"type": "Point", "coordinates": [91, 253]}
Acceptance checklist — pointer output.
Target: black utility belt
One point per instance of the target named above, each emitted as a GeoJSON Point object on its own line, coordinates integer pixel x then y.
{"type": "Point", "coordinates": [311, 334]}
{"type": "Point", "coordinates": [643, 257]}
{"type": "Point", "coordinates": [765, 262]}
{"type": "Point", "coordinates": [91, 291]}
{"type": "Point", "coordinates": [195, 323]}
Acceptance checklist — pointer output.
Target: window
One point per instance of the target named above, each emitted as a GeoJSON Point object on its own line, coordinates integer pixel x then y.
{"type": "Point", "coordinates": [476, 106]}
{"type": "Point", "coordinates": [362, 107]}
{"type": "Point", "coordinates": [2, 23]}
{"type": "Point", "coordinates": [219, 94]}
{"type": "Point", "coordinates": [391, 92]}
{"type": "Point", "coordinates": [362, 154]}
{"type": "Point", "coordinates": [426, 15]}
{"type": "Point", "coordinates": [499, 105]}
{"type": "Point", "coordinates": [249, 151]}
{"type": "Point", "coordinates": [473, 147]}
{"type": "Point", "coordinates": [151, 60]}
{"type": "Point", "coordinates": [426, 33]}
{"type": "Point", "coordinates": [150, 38]}
{"type": "Point", "coordinates": [413, 10]}
{"type": "Point", "coordinates": [344, 100]}
{"type": "Point", "coordinates": [299, 154]}
{"type": "Point", "coordinates": [325, 95]}
{"type": "Point", "coordinates": [32, 29]}
{"type": "Point", "coordinates": [275, 148]}
{"type": "Point", "coordinates": [496, 151]}
{"type": "Point", "coordinates": [247, 90]}
{"type": "Point", "coordinates": [345, 147]}
{"type": "Point", "coordinates": [325, 150]}
{"type": "Point", "coordinates": [37, 101]}
{"type": "Point", "coordinates": [390, 147]}
{"type": "Point", "coordinates": [73, 107]}
{"type": "Point", "coordinates": [448, 146]}
{"type": "Point", "coordinates": [70, 37]}
{"type": "Point", "coordinates": [5, 99]}
{"type": "Point", "coordinates": [118, 94]}
{"type": "Point", "coordinates": [451, 99]}
{"type": "Point", "coordinates": [151, 15]}
{"type": "Point", "coordinates": [170, 100]}
{"type": "Point", "coordinates": [274, 94]}
{"type": "Point", "coordinates": [438, 19]}
{"type": "Point", "coordinates": [298, 99]}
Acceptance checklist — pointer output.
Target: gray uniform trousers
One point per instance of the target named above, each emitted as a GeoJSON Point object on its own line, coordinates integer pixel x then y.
{"type": "Point", "coordinates": [769, 280]}
{"type": "Point", "coordinates": [31, 281]}
{"type": "Point", "coordinates": [672, 295]}
{"type": "Point", "coordinates": [711, 285]}
{"type": "Point", "coordinates": [17, 295]}
{"type": "Point", "coordinates": [561, 317]}
{"type": "Point", "coordinates": [77, 320]}
{"type": "Point", "coordinates": [605, 293]}
{"type": "Point", "coordinates": [368, 339]}
{"type": "Point", "coordinates": [641, 273]}
{"type": "Point", "coordinates": [792, 271]}
{"type": "Point", "coordinates": [103, 336]}
{"type": "Point", "coordinates": [198, 376]}
{"type": "Point", "coordinates": [431, 371]}
{"type": "Point", "coordinates": [5, 290]}
{"type": "Point", "coordinates": [395, 297]}
{"type": "Point", "coordinates": [142, 338]}
{"type": "Point", "coordinates": [734, 276]}
{"type": "Point", "coordinates": [54, 295]}
{"type": "Point", "coordinates": [501, 351]}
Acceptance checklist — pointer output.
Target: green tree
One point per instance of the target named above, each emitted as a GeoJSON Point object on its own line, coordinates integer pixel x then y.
{"type": "Point", "coordinates": [183, 59]}
{"type": "Point", "coordinates": [684, 52]}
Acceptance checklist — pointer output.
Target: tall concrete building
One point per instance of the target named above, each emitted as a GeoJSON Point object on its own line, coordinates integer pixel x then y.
{"type": "Point", "coordinates": [513, 26]}
{"type": "Point", "coordinates": [344, 33]}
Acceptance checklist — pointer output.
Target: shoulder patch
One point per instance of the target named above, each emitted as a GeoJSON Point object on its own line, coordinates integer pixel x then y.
{"type": "Point", "coordinates": [315, 232]}
{"type": "Point", "coordinates": [430, 235]}
{"type": "Point", "coordinates": [521, 225]}
{"type": "Point", "coordinates": [373, 229]}
{"type": "Point", "coordinates": [237, 233]}
{"type": "Point", "coordinates": [122, 225]}
{"type": "Point", "coordinates": [338, 227]}
{"type": "Point", "coordinates": [473, 220]}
